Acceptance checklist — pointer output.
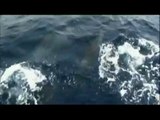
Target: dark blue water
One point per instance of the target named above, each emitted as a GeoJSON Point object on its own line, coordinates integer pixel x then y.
{"type": "Point", "coordinates": [67, 46]}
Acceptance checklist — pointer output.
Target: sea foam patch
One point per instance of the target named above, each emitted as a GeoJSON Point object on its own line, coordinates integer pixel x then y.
{"type": "Point", "coordinates": [19, 82]}
{"type": "Point", "coordinates": [132, 66]}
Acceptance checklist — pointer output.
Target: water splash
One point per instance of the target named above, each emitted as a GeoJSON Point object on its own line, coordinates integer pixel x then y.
{"type": "Point", "coordinates": [130, 66]}
{"type": "Point", "coordinates": [19, 82]}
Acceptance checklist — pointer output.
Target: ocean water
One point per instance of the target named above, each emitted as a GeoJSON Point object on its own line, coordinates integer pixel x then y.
{"type": "Point", "coordinates": [79, 59]}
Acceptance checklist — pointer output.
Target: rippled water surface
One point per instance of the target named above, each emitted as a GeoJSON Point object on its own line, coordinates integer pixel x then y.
{"type": "Point", "coordinates": [79, 59]}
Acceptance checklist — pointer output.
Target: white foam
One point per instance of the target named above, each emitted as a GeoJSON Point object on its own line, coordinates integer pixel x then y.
{"type": "Point", "coordinates": [135, 60]}
{"type": "Point", "coordinates": [150, 86]}
{"type": "Point", "coordinates": [26, 81]}
{"type": "Point", "coordinates": [108, 56]}
{"type": "Point", "coordinates": [31, 75]}
{"type": "Point", "coordinates": [123, 92]}
{"type": "Point", "coordinates": [158, 98]}
{"type": "Point", "coordinates": [111, 79]}
{"type": "Point", "coordinates": [154, 48]}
